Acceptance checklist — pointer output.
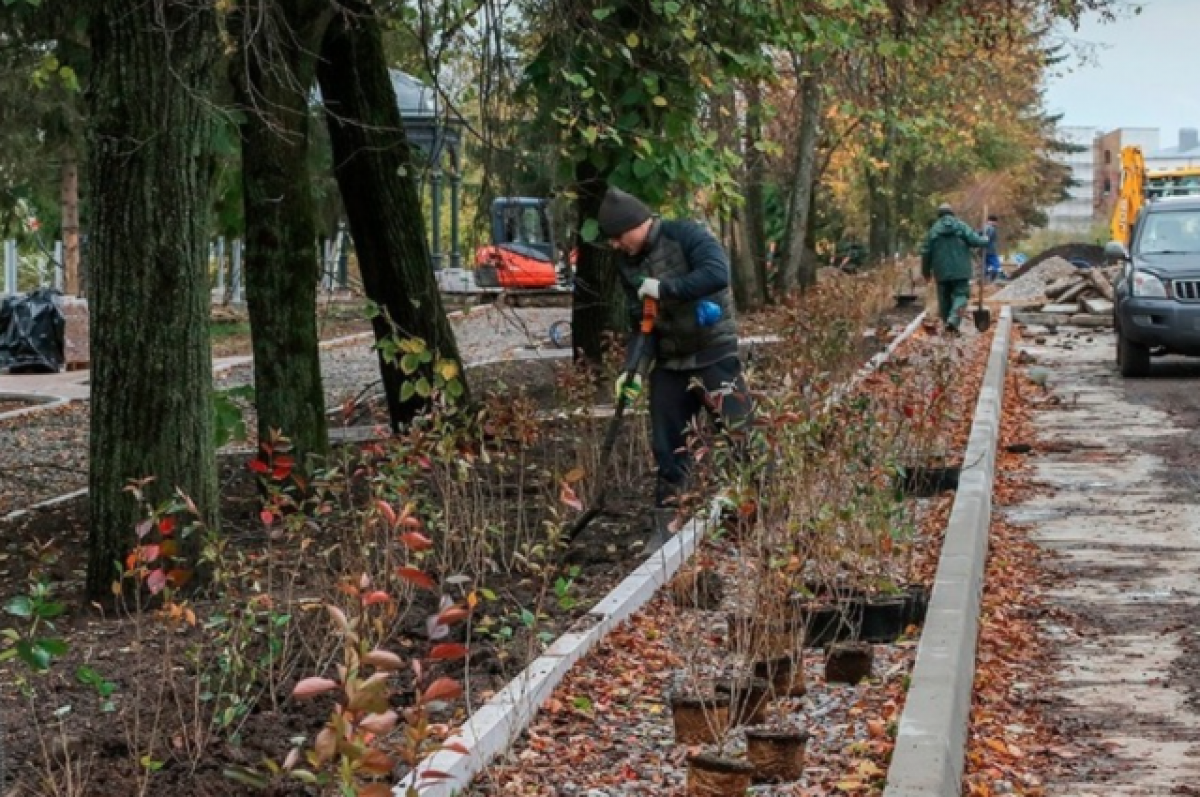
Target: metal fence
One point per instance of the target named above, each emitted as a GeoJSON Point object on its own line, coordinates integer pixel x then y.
{"type": "Point", "coordinates": [24, 271]}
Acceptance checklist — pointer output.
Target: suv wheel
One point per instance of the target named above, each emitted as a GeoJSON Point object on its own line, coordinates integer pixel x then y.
{"type": "Point", "coordinates": [1133, 359]}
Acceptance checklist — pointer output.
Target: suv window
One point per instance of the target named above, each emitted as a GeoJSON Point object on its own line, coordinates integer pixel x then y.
{"type": "Point", "coordinates": [1170, 232]}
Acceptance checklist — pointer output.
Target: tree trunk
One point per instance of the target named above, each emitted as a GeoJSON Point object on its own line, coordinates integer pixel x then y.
{"type": "Point", "coordinates": [150, 125]}
{"type": "Point", "coordinates": [905, 204]}
{"type": "Point", "coordinates": [598, 307]}
{"type": "Point", "coordinates": [282, 268]}
{"type": "Point", "coordinates": [69, 184]}
{"type": "Point", "coordinates": [754, 213]}
{"type": "Point", "coordinates": [747, 290]}
{"type": "Point", "coordinates": [880, 207]}
{"type": "Point", "coordinates": [790, 272]}
{"type": "Point", "coordinates": [881, 186]}
{"type": "Point", "coordinates": [744, 276]}
{"type": "Point", "coordinates": [375, 173]}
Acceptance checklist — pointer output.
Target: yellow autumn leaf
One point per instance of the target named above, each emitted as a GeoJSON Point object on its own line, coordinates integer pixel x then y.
{"type": "Point", "coordinates": [660, 101]}
{"type": "Point", "coordinates": [448, 369]}
{"type": "Point", "coordinates": [633, 40]}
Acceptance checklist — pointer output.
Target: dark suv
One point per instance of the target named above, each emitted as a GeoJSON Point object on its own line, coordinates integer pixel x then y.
{"type": "Point", "coordinates": [1157, 310]}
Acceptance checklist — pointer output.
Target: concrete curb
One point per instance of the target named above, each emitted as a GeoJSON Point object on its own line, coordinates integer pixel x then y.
{"type": "Point", "coordinates": [495, 726]}
{"type": "Point", "coordinates": [41, 403]}
{"type": "Point", "coordinates": [875, 362]}
{"type": "Point", "coordinates": [47, 504]}
{"type": "Point", "coordinates": [931, 743]}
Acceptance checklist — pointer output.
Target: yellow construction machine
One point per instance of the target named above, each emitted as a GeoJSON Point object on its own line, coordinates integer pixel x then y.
{"type": "Point", "coordinates": [1138, 186]}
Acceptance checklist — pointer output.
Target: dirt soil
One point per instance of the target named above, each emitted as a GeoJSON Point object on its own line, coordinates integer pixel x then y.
{"type": "Point", "coordinates": [49, 545]}
{"type": "Point", "coordinates": [68, 721]}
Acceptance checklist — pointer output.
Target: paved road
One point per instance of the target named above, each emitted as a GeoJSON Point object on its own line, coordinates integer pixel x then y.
{"type": "Point", "coordinates": [1122, 517]}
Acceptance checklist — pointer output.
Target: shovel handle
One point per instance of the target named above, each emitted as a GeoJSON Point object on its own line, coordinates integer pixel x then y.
{"type": "Point", "coordinates": [649, 315]}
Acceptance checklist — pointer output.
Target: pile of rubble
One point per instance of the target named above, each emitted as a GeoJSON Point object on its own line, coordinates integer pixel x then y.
{"type": "Point", "coordinates": [1057, 292]}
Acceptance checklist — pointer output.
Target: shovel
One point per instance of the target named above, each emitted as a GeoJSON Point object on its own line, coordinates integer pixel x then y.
{"type": "Point", "coordinates": [981, 315]}
{"type": "Point", "coordinates": [649, 314]}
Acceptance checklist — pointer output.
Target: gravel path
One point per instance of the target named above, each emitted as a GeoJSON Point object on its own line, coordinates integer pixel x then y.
{"type": "Point", "coordinates": [45, 455]}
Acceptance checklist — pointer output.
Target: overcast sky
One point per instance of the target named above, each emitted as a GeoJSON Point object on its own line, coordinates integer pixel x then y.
{"type": "Point", "coordinates": [1141, 71]}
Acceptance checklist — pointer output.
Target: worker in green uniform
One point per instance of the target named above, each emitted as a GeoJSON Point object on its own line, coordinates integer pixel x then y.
{"type": "Point", "coordinates": [946, 256]}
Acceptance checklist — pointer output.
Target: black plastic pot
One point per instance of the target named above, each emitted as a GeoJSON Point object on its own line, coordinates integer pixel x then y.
{"type": "Point", "coordinates": [826, 623]}
{"type": "Point", "coordinates": [916, 604]}
{"type": "Point", "coordinates": [920, 481]}
{"type": "Point", "coordinates": [884, 619]}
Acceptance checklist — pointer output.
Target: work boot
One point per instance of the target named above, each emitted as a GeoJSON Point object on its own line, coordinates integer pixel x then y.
{"type": "Point", "coordinates": [660, 529]}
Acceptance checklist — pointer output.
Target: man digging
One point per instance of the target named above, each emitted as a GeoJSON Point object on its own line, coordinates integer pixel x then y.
{"type": "Point", "coordinates": [694, 345]}
{"type": "Point", "coordinates": [947, 256]}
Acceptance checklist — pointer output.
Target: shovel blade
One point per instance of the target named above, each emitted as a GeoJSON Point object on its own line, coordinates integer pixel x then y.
{"type": "Point", "coordinates": [983, 319]}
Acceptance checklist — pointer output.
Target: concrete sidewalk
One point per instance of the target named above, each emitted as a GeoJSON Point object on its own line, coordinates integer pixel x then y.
{"type": "Point", "coordinates": [1121, 516]}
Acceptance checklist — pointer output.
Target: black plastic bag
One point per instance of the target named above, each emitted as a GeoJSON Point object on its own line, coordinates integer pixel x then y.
{"type": "Point", "coordinates": [32, 333]}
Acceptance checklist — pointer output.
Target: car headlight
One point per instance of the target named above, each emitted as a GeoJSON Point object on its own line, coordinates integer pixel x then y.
{"type": "Point", "coordinates": [1147, 285]}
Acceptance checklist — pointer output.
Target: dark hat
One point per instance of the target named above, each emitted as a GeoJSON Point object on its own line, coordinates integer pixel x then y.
{"type": "Point", "coordinates": [944, 209]}
{"type": "Point", "coordinates": [620, 212]}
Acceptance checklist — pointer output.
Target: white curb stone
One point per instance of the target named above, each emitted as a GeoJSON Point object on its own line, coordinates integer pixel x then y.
{"type": "Point", "coordinates": [931, 742]}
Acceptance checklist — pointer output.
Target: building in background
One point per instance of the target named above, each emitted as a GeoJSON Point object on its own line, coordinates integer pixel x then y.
{"type": "Point", "coordinates": [1108, 148]}
{"type": "Point", "coordinates": [1096, 170]}
{"type": "Point", "coordinates": [1077, 211]}
{"type": "Point", "coordinates": [1187, 153]}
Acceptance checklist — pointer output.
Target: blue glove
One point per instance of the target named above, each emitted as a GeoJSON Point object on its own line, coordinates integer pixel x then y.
{"type": "Point", "coordinates": [707, 313]}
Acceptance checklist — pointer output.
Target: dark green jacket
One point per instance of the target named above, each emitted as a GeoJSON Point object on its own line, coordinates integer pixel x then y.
{"type": "Point", "coordinates": [946, 253]}
{"type": "Point", "coordinates": [690, 265]}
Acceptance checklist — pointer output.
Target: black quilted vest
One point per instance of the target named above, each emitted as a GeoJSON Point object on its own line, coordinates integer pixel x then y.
{"type": "Point", "coordinates": [678, 335]}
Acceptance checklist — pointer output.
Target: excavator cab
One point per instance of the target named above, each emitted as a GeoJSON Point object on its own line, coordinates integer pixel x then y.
{"type": "Point", "coordinates": [523, 252]}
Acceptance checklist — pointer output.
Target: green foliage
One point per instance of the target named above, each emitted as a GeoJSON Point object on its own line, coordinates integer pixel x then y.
{"type": "Point", "coordinates": [229, 422]}
{"type": "Point", "coordinates": [104, 688]}
{"type": "Point", "coordinates": [624, 88]}
{"type": "Point", "coordinates": [38, 608]}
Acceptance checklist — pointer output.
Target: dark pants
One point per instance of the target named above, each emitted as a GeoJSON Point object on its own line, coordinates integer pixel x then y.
{"type": "Point", "coordinates": [953, 297]}
{"type": "Point", "coordinates": [674, 402]}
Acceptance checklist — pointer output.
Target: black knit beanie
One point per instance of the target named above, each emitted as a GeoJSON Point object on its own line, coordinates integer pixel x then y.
{"type": "Point", "coordinates": [620, 212]}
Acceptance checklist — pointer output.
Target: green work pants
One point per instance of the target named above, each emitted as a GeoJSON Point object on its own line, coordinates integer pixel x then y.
{"type": "Point", "coordinates": [953, 297]}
